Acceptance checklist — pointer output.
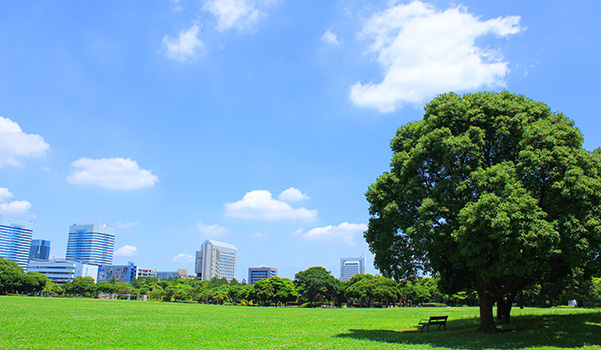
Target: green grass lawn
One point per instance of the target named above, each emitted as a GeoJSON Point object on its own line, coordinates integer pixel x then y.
{"type": "Point", "coordinates": [62, 323]}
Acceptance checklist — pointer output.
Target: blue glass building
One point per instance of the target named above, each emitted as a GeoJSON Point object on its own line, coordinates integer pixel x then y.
{"type": "Point", "coordinates": [40, 249]}
{"type": "Point", "coordinates": [15, 240]}
{"type": "Point", "coordinates": [91, 244]}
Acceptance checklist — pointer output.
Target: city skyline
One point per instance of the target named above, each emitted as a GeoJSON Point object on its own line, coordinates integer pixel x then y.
{"type": "Point", "coordinates": [180, 121]}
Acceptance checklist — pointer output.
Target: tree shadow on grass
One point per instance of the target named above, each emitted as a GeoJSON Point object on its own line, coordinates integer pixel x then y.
{"type": "Point", "coordinates": [564, 331]}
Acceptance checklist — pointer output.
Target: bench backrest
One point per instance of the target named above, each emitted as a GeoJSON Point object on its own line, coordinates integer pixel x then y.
{"type": "Point", "coordinates": [438, 318]}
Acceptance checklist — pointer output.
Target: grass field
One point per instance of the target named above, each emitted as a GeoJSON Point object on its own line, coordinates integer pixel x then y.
{"type": "Point", "coordinates": [62, 323]}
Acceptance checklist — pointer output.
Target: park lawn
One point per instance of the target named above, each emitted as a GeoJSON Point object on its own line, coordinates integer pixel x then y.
{"type": "Point", "coordinates": [65, 323]}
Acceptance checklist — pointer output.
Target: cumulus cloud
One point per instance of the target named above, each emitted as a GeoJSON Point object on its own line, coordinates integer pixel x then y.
{"type": "Point", "coordinates": [112, 173]}
{"type": "Point", "coordinates": [292, 195]}
{"type": "Point", "coordinates": [183, 258]}
{"type": "Point", "coordinates": [127, 251]}
{"type": "Point", "coordinates": [239, 14]}
{"type": "Point", "coordinates": [14, 143]}
{"type": "Point", "coordinates": [211, 230]}
{"type": "Point", "coordinates": [5, 194]}
{"type": "Point", "coordinates": [259, 204]}
{"type": "Point", "coordinates": [425, 51]}
{"type": "Point", "coordinates": [12, 208]}
{"type": "Point", "coordinates": [330, 37]}
{"type": "Point", "coordinates": [125, 225]}
{"type": "Point", "coordinates": [184, 47]}
{"type": "Point", "coordinates": [344, 232]}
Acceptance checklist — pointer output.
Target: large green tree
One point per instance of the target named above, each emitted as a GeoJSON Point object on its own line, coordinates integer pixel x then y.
{"type": "Point", "coordinates": [316, 284]}
{"type": "Point", "coordinates": [490, 190]}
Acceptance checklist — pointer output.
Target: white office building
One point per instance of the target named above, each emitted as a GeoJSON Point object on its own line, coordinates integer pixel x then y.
{"type": "Point", "coordinates": [144, 272]}
{"type": "Point", "coordinates": [350, 267]}
{"type": "Point", "coordinates": [216, 259]}
{"type": "Point", "coordinates": [62, 271]}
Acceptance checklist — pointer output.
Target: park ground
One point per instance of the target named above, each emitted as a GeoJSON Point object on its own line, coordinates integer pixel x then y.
{"type": "Point", "coordinates": [67, 323]}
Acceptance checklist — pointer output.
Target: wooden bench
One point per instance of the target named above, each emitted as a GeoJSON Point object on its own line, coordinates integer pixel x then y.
{"type": "Point", "coordinates": [441, 321]}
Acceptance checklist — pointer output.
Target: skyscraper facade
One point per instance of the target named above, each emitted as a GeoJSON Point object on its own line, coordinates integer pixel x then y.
{"type": "Point", "coordinates": [91, 244]}
{"type": "Point", "coordinates": [350, 267]}
{"type": "Point", "coordinates": [216, 259]}
{"type": "Point", "coordinates": [259, 273]}
{"type": "Point", "coordinates": [40, 249]}
{"type": "Point", "coordinates": [15, 240]}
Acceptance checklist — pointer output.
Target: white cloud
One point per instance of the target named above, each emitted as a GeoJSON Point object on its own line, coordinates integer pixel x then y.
{"type": "Point", "coordinates": [175, 6]}
{"type": "Point", "coordinates": [259, 235]}
{"type": "Point", "coordinates": [239, 14]}
{"type": "Point", "coordinates": [292, 195]}
{"type": "Point", "coordinates": [127, 251]}
{"type": "Point", "coordinates": [14, 208]}
{"type": "Point", "coordinates": [5, 194]}
{"type": "Point", "coordinates": [125, 225]}
{"type": "Point", "coordinates": [211, 230]}
{"type": "Point", "coordinates": [425, 51]}
{"type": "Point", "coordinates": [186, 46]}
{"type": "Point", "coordinates": [113, 173]}
{"type": "Point", "coordinates": [330, 37]}
{"type": "Point", "coordinates": [259, 204]}
{"type": "Point", "coordinates": [344, 232]}
{"type": "Point", "coordinates": [14, 143]}
{"type": "Point", "coordinates": [183, 258]}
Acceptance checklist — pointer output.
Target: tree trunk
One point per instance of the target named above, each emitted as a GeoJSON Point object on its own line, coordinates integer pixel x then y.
{"type": "Point", "coordinates": [487, 320]}
{"type": "Point", "coordinates": [508, 305]}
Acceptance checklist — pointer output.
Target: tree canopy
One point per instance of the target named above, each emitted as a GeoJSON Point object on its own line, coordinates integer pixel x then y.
{"type": "Point", "coordinates": [316, 284]}
{"type": "Point", "coordinates": [490, 190]}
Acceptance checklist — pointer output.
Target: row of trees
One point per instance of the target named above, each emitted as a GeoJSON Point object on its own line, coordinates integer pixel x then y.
{"type": "Point", "coordinates": [312, 287]}
{"type": "Point", "coordinates": [13, 280]}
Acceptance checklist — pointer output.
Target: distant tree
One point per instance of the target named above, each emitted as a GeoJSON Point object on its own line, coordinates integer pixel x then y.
{"type": "Point", "coordinates": [11, 276]}
{"type": "Point", "coordinates": [490, 191]}
{"type": "Point", "coordinates": [285, 291]}
{"type": "Point", "coordinates": [53, 289]}
{"type": "Point", "coordinates": [34, 282]}
{"type": "Point", "coordinates": [263, 291]}
{"type": "Point", "coordinates": [368, 289]}
{"type": "Point", "coordinates": [316, 284]}
{"type": "Point", "coordinates": [81, 286]}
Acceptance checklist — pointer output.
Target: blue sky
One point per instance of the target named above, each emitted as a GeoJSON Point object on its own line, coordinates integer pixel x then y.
{"type": "Point", "coordinates": [259, 123]}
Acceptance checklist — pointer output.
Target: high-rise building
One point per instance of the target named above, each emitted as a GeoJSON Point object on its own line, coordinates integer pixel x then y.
{"type": "Point", "coordinates": [216, 259]}
{"type": "Point", "coordinates": [262, 272]}
{"type": "Point", "coordinates": [121, 273]}
{"type": "Point", "coordinates": [350, 267]}
{"type": "Point", "coordinates": [15, 240]}
{"type": "Point", "coordinates": [91, 244]}
{"type": "Point", "coordinates": [62, 271]}
{"type": "Point", "coordinates": [40, 249]}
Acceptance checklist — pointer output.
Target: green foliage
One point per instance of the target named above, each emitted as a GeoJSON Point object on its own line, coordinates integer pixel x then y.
{"type": "Point", "coordinates": [10, 276]}
{"type": "Point", "coordinates": [489, 191]}
{"type": "Point", "coordinates": [34, 282]}
{"type": "Point", "coordinates": [316, 284]}
{"type": "Point", "coordinates": [81, 286]}
{"type": "Point", "coordinates": [366, 290]}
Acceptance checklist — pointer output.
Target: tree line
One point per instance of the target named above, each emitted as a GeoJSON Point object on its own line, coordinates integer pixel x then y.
{"type": "Point", "coordinates": [312, 287]}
